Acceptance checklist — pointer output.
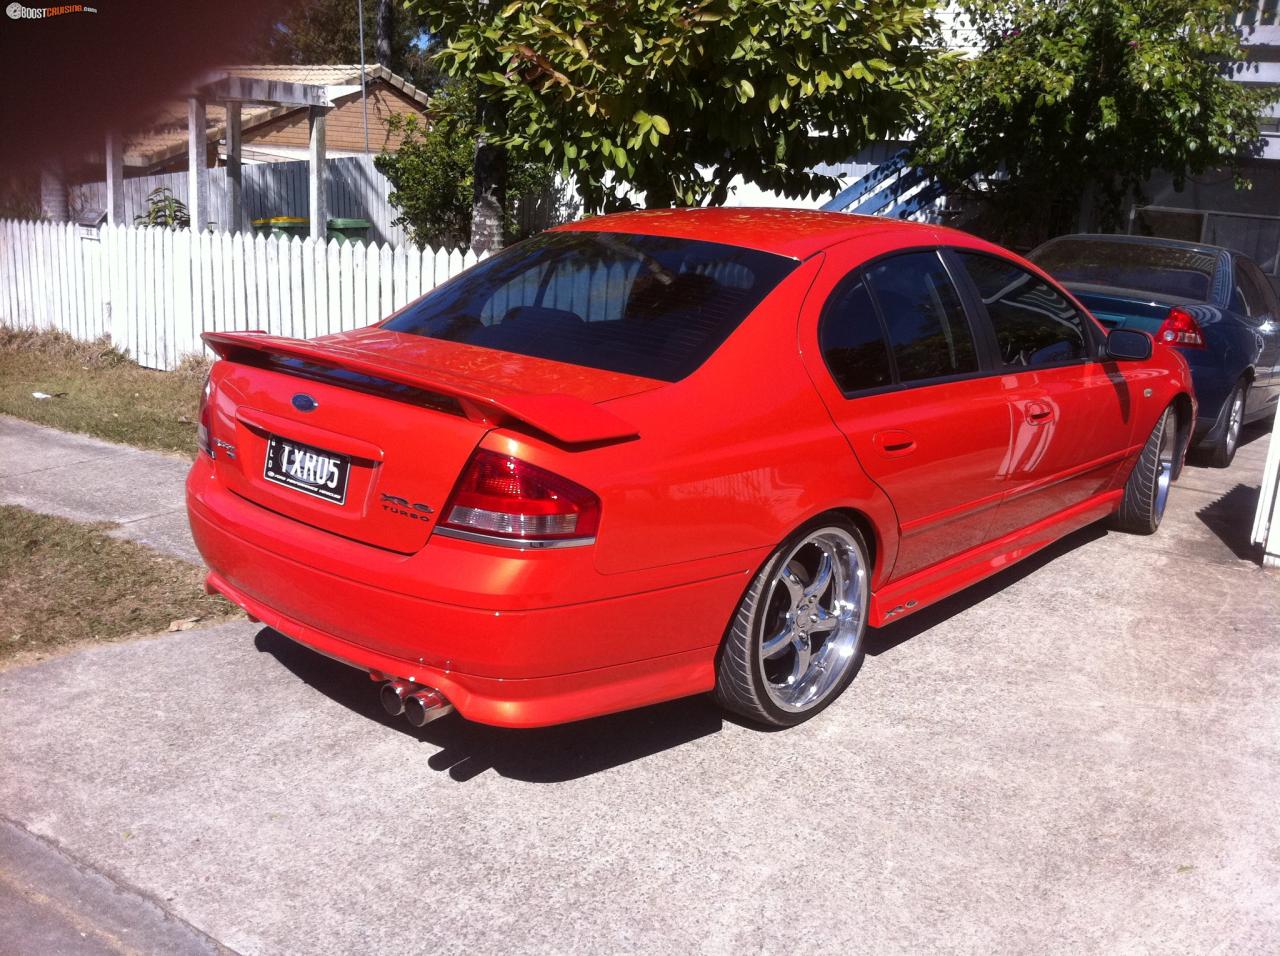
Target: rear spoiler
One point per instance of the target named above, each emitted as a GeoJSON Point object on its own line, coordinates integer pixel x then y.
{"type": "Point", "coordinates": [566, 418]}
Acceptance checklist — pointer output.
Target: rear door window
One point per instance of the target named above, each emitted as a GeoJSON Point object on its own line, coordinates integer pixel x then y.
{"type": "Point", "coordinates": [852, 339]}
{"type": "Point", "coordinates": [928, 332]}
{"type": "Point", "coordinates": [899, 320]}
{"type": "Point", "coordinates": [1034, 323]}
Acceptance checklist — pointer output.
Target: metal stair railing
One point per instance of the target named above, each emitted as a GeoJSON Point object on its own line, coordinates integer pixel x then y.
{"type": "Point", "coordinates": [893, 189]}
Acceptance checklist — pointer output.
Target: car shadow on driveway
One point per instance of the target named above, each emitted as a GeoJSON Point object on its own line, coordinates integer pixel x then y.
{"type": "Point", "coordinates": [1253, 431]}
{"type": "Point", "coordinates": [571, 751]}
{"type": "Point", "coordinates": [1250, 433]}
{"type": "Point", "coordinates": [882, 639]}
{"type": "Point", "coordinates": [542, 755]}
{"type": "Point", "coordinates": [1231, 519]}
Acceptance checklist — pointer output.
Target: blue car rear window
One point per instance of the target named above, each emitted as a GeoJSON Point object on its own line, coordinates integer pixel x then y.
{"type": "Point", "coordinates": [1138, 266]}
{"type": "Point", "coordinates": [642, 305]}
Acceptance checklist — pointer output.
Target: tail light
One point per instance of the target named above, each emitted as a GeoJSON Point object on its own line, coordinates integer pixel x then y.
{"type": "Point", "coordinates": [204, 434]}
{"type": "Point", "coordinates": [509, 498]}
{"type": "Point", "coordinates": [1180, 328]}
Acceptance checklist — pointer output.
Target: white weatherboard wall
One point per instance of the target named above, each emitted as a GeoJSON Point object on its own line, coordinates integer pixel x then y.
{"type": "Point", "coordinates": [153, 291]}
{"type": "Point", "coordinates": [1266, 521]}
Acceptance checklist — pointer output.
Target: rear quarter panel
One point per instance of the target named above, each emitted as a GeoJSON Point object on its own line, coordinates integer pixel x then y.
{"type": "Point", "coordinates": [1169, 379]}
{"type": "Point", "coordinates": [1231, 349]}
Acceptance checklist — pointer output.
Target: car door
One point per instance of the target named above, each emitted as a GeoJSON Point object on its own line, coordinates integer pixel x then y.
{"type": "Point", "coordinates": [896, 361]}
{"type": "Point", "coordinates": [1262, 314]}
{"type": "Point", "coordinates": [1073, 416]}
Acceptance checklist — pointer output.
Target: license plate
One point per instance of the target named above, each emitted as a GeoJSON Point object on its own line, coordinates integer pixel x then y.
{"type": "Point", "coordinates": [304, 468]}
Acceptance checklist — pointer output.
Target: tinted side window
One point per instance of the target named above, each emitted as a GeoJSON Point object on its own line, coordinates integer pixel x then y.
{"type": "Point", "coordinates": [1034, 323]}
{"type": "Point", "coordinates": [852, 341]}
{"type": "Point", "coordinates": [1256, 300]}
{"type": "Point", "coordinates": [653, 306]}
{"type": "Point", "coordinates": [1236, 303]}
{"type": "Point", "coordinates": [928, 331]}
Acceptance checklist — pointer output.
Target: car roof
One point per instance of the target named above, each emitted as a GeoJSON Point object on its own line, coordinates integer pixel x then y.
{"type": "Point", "coordinates": [796, 233]}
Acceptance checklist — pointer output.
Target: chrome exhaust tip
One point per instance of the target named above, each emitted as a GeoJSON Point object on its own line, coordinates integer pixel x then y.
{"type": "Point", "coordinates": [393, 694]}
{"type": "Point", "coordinates": [425, 705]}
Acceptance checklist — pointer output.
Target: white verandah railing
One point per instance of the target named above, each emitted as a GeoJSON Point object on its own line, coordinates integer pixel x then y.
{"type": "Point", "coordinates": [153, 291]}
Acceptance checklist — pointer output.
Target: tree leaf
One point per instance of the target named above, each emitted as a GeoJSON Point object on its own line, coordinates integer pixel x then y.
{"type": "Point", "coordinates": [555, 72]}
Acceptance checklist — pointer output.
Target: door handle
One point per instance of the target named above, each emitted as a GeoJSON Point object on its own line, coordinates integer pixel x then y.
{"type": "Point", "coordinates": [893, 443]}
{"type": "Point", "coordinates": [1038, 413]}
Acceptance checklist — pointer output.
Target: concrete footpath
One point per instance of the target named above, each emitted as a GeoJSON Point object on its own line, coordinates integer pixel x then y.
{"type": "Point", "coordinates": [1080, 755]}
{"type": "Point", "coordinates": [87, 479]}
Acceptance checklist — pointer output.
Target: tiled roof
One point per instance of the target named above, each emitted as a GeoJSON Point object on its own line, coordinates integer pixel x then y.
{"type": "Point", "coordinates": [165, 134]}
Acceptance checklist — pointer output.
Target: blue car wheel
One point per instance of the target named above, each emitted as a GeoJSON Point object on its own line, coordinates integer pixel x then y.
{"type": "Point", "coordinates": [1222, 450]}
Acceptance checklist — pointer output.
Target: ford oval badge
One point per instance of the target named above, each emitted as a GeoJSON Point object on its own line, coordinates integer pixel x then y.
{"type": "Point", "coordinates": [304, 402]}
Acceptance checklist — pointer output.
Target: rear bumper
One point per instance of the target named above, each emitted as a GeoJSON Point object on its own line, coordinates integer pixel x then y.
{"type": "Point", "coordinates": [514, 668]}
{"type": "Point", "coordinates": [535, 702]}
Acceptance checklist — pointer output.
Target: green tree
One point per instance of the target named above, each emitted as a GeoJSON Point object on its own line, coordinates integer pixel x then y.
{"type": "Point", "coordinates": [1071, 105]}
{"type": "Point", "coordinates": [328, 31]}
{"type": "Point", "coordinates": [431, 176]}
{"type": "Point", "coordinates": [674, 98]}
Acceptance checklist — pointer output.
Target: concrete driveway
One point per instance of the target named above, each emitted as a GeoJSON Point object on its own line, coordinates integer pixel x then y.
{"type": "Point", "coordinates": [1082, 754]}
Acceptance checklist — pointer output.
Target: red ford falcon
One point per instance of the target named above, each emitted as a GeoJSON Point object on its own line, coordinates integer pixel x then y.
{"type": "Point", "coordinates": [669, 452]}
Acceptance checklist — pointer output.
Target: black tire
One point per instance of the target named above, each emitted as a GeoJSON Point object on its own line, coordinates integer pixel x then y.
{"type": "Point", "coordinates": [1146, 492]}
{"type": "Point", "coordinates": [1221, 452]}
{"type": "Point", "coordinates": [743, 669]}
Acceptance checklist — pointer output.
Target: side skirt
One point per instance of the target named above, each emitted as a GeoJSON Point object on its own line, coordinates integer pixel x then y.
{"type": "Point", "coordinates": [930, 585]}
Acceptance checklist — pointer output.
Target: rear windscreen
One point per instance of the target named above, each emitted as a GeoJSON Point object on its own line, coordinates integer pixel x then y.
{"type": "Point", "coordinates": [641, 305]}
{"type": "Point", "coordinates": [1157, 270]}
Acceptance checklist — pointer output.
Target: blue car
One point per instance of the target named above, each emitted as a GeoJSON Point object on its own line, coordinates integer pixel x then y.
{"type": "Point", "coordinates": [1212, 304]}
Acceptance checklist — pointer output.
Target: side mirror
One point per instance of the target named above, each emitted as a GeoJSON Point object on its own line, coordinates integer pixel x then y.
{"type": "Point", "coordinates": [1126, 345]}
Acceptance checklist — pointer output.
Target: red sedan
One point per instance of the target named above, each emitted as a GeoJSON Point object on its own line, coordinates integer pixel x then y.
{"type": "Point", "coordinates": [669, 452]}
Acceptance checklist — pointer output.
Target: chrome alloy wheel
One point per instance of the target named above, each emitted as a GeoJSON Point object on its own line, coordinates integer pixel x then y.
{"type": "Point", "coordinates": [1235, 419]}
{"type": "Point", "coordinates": [1165, 461]}
{"type": "Point", "coordinates": [813, 622]}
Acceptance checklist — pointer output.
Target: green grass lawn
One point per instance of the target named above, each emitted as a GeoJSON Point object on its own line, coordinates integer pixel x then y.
{"type": "Point", "coordinates": [98, 391]}
{"type": "Point", "coordinates": [63, 584]}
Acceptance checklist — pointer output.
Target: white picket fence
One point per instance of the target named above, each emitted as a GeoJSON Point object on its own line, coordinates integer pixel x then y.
{"type": "Point", "coordinates": [153, 291]}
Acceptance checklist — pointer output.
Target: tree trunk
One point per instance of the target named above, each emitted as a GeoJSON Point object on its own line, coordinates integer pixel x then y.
{"type": "Point", "coordinates": [488, 171]}
{"type": "Point", "coordinates": [53, 193]}
{"type": "Point", "coordinates": [489, 195]}
{"type": "Point", "coordinates": [659, 194]}
{"type": "Point", "coordinates": [383, 30]}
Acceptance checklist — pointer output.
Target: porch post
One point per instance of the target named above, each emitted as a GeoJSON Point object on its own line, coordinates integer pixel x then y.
{"type": "Point", "coordinates": [115, 179]}
{"type": "Point", "coordinates": [197, 165]}
{"type": "Point", "coordinates": [318, 174]}
{"type": "Point", "coordinates": [233, 167]}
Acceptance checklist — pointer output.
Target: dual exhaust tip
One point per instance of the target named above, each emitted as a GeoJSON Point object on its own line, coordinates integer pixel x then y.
{"type": "Point", "coordinates": [420, 705]}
